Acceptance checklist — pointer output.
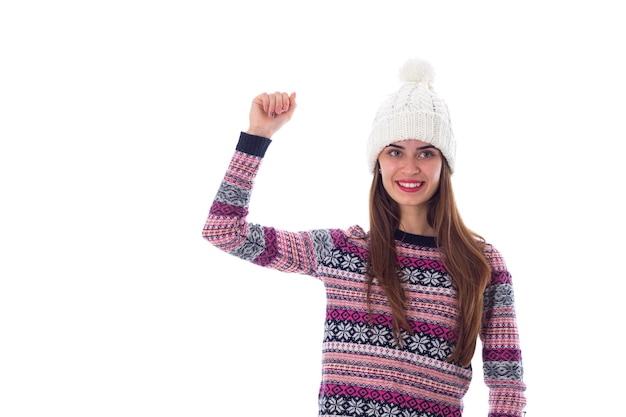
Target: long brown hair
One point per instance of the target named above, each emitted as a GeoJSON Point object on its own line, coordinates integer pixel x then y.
{"type": "Point", "coordinates": [462, 256]}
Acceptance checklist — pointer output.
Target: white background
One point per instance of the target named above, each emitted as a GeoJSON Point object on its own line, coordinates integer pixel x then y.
{"type": "Point", "coordinates": [117, 122]}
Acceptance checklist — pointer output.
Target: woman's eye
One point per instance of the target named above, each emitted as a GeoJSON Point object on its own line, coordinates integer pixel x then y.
{"type": "Point", "coordinates": [426, 154]}
{"type": "Point", "coordinates": [394, 152]}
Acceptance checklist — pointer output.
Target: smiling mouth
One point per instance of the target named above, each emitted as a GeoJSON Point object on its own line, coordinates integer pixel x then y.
{"type": "Point", "coordinates": [410, 186]}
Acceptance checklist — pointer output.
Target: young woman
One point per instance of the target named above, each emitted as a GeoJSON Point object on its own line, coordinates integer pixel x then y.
{"type": "Point", "coordinates": [407, 300]}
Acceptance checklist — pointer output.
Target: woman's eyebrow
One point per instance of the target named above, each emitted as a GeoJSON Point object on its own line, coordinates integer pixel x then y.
{"type": "Point", "coordinates": [393, 145]}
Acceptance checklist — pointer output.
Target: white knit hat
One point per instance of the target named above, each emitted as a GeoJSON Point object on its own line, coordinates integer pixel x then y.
{"type": "Point", "coordinates": [413, 112]}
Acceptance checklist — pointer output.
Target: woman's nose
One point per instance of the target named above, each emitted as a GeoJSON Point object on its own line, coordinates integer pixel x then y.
{"type": "Point", "coordinates": [411, 167]}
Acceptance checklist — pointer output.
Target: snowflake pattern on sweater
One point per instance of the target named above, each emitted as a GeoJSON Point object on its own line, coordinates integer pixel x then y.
{"type": "Point", "coordinates": [364, 373]}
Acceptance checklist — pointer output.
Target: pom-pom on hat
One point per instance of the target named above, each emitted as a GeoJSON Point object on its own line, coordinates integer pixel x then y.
{"type": "Point", "coordinates": [413, 112]}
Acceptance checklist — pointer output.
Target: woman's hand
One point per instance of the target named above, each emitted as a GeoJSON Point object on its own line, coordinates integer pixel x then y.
{"type": "Point", "coordinates": [269, 112]}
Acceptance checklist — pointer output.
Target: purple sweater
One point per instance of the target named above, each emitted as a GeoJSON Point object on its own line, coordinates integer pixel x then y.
{"type": "Point", "coordinates": [364, 373]}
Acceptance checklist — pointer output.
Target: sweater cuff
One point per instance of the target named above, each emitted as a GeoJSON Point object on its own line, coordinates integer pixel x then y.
{"type": "Point", "coordinates": [253, 145]}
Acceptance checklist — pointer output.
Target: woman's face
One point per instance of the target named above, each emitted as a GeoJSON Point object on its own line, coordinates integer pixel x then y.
{"type": "Point", "coordinates": [410, 172]}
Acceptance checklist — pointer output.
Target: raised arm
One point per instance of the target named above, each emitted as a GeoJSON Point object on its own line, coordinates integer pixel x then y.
{"type": "Point", "coordinates": [226, 226]}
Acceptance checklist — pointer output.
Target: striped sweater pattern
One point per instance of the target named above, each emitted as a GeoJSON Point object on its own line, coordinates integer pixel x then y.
{"type": "Point", "coordinates": [364, 372]}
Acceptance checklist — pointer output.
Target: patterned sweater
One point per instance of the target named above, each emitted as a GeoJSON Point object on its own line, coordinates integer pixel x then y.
{"type": "Point", "coordinates": [364, 373]}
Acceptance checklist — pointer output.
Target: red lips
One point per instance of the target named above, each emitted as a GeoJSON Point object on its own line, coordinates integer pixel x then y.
{"type": "Point", "coordinates": [410, 186]}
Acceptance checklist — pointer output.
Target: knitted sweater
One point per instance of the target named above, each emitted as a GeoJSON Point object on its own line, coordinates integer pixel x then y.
{"type": "Point", "coordinates": [364, 372]}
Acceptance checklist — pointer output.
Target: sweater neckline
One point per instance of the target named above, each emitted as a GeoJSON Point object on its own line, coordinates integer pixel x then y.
{"type": "Point", "coordinates": [418, 240]}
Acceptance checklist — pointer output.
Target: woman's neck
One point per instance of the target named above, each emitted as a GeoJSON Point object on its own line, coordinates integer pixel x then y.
{"type": "Point", "coordinates": [416, 222]}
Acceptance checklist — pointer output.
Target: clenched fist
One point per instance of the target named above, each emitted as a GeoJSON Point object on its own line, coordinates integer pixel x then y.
{"type": "Point", "coordinates": [269, 112]}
